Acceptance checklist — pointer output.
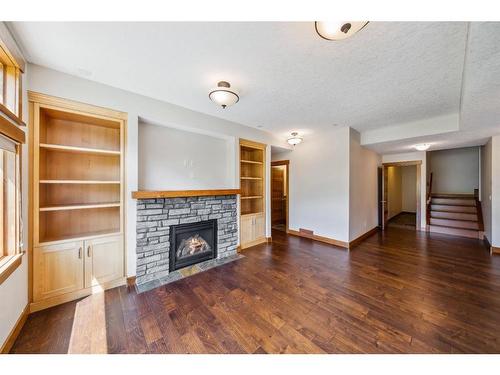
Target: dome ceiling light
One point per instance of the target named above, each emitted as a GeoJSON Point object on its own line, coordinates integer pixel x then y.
{"type": "Point", "coordinates": [422, 147]}
{"type": "Point", "coordinates": [224, 95]}
{"type": "Point", "coordinates": [294, 139]}
{"type": "Point", "coordinates": [338, 30]}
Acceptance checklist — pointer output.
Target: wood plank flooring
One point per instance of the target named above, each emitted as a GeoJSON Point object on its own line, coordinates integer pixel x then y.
{"type": "Point", "coordinates": [400, 291]}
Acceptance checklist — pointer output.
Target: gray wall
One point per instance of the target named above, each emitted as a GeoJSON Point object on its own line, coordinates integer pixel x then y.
{"type": "Point", "coordinates": [455, 170]}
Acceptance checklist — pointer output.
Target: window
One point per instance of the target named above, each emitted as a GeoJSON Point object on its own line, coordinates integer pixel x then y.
{"type": "Point", "coordinates": [10, 81]}
{"type": "Point", "coordinates": [11, 139]}
{"type": "Point", "coordinates": [9, 197]}
{"type": "Point", "coordinates": [10, 208]}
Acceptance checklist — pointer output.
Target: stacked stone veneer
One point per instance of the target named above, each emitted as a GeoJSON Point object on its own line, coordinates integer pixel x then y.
{"type": "Point", "coordinates": [155, 216]}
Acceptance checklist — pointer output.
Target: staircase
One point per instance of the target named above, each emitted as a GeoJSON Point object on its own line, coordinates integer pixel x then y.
{"type": "Point", "coordinates": [455, 214]}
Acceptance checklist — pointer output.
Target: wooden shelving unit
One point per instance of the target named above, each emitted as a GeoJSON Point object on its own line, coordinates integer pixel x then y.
{"type": "Point", "coordinates": [78, 196]}
{"type": "Point", "coordinates": [252, 199]}
{"type": "Point", "coordinates": [84, 150]}
{"type": "Point", "coordinates": [79, 206]}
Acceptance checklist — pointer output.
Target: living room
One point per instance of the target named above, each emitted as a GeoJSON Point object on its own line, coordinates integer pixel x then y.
{"type": "Point", "coordinates": [242, 187]}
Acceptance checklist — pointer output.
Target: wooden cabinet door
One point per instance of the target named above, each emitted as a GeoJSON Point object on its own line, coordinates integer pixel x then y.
{"type": "Point", "coordinates": [58, 269]}
{"type": "Point", "coordinates": [259, 226]}
{"type": "Point", "coordinates": [103, 260]}
{"type": "Point", "coordinates": [246, 229]}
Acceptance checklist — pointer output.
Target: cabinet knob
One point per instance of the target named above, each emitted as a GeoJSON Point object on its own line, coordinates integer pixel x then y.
{"type": "Point", "coordinates": [89, 254]}
{"type": "Point", "coordinates": [80, 253]}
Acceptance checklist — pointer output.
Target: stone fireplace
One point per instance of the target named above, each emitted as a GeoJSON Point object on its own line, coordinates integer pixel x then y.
{"type": "Point", "coordinates": [176, 232]}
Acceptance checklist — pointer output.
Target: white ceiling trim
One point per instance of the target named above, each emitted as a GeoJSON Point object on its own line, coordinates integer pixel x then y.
{"type": "Point", "coordinates": [414, 129]}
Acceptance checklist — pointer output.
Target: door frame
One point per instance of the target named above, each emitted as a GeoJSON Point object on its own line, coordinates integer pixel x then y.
{"type": "Point", "coordinates": [418, 164]}
{"type": "Point", "coordinates": [286, 163]}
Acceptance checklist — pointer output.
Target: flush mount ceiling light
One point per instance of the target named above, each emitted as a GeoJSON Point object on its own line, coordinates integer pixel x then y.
{"type": "Point", "coordinates": [294, 139]}
{"type": "Point", "coordinates": [224, 95]}
{"type": "Point", "coordinates": [422, 146]}
{"type": "Point", "coordinates": [338, 30]}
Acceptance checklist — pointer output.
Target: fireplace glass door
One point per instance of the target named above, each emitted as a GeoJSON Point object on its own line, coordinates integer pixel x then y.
{"type": "Point", "coordinates": [192, 243]}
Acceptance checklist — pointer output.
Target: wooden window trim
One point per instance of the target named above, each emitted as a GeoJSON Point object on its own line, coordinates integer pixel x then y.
{"type": "Point", "coordinates": [8, 264]}
{"type": "Point", "coordinates": [12, 116]}
{"type": "Point", "coordinates": [12, 65]}
{"type": "Point", "coordinates": [11, 130]}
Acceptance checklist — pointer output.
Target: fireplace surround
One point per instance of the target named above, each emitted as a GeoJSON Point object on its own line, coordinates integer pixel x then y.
{"type": "Point", "coordinates": [157, 218]}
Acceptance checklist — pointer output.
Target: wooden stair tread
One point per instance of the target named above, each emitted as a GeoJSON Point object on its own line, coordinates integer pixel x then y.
{"type": "Point", "coordinates": [450, 218]}
{"type": "Point", "coordinates": [444, 203]}
{"type": "Point", "coordinates": [453, 196]}
{"type": "Point", "coordinates": [449, 208]}
{"type": "Point", "coordinates": [461, 232]}
{"type": "Point", "coordinates": [450, 223]}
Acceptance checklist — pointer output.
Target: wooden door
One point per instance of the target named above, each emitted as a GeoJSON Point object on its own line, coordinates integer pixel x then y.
{"type": "Point", "coordinates": [58, 269]}
{"type": "Point", "coordinates": [385, 189]}
{"type": "Point", "coordinates": [103, 260]}
{"type": "Point", "coordinates": [278, 202]}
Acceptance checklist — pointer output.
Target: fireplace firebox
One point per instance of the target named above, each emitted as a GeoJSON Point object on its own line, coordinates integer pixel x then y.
{"type": "Point", "coordinates": [192, 243]}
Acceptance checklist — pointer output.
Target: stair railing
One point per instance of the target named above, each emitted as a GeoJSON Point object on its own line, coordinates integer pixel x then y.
{"type": "Point", "coordinates": [429, 200]}
{"type": "Point", "coordinates": [479, 211]}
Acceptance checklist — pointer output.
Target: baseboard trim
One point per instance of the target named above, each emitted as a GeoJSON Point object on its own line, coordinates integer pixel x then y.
{"type": "Point", "coordinates": [306, 233]}
{"type": "Point", "coordinates": [11, 338]}
{"type": "Point", "coordinates": [363, 237]}
{"type": "Point", "coordinates": [238, 249]}
{"type": "Point", "coordinates": [269, 239]}
{"type": "Point", "coordinates": [494, 250]}
{"type": "Point", "coordinates": [131, 281]}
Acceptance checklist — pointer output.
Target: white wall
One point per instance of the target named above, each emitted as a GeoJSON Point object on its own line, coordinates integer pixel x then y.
{"type": "Point", "coordinates": [363, 188]}
{"type": "Point", "coordinates": [414, 156]}
{"type": "Point", "coordinates": [409, 188]}
{"type": "Point", "coordinates": [13, 299]}
{"type": "Point", "coordinates": [490, 185]}
{"type": "Point", "coordinates": [333, 185]}
{"type": "Point", "coordinates": [173, 159]}
{"type": "Point", "coordinates": [319, 184]}
{"type": "Point", "coordinates": [152, 111]}
{"type": "Point", "coordinates": [486, 152]}
{"type": "Point", "coordinates": [455, 170]}
{"type": "Point", "coordinates": [495, 191]}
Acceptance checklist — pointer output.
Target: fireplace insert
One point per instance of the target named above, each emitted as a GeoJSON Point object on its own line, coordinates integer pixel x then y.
{"type": "Point", "coordinates": [192, 243]}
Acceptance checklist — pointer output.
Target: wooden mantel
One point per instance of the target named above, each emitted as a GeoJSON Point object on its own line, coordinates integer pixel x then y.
{"type": "Point", "coordinates": [145, 194]}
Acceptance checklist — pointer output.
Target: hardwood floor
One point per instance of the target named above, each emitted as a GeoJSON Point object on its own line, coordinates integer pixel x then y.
{"type": "Point", "coordinates": [399, 291]}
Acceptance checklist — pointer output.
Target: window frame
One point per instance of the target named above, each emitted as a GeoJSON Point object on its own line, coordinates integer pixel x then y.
{"type": "Point", "coordinates": [10, 258]}
{"type": "Point", "coordinates": [12, 66]}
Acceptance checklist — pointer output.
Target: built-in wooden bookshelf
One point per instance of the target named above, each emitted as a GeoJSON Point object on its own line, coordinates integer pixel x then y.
{"type": "Point", "coordinates": [77, 187]}
{"type": "Point", "coordinates": [77, 149]}
{"type": "Point", "coordinates": [252, 198]}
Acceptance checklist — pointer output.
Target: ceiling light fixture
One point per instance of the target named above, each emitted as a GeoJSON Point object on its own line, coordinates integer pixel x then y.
{"type": "Point", "coordinates": [294, 139]}
{"type": "Point", "coordinates": [422, 147]}
{"type": "Point", "coordinates": [338, 30]}
{"type": "Point", "coordinates": [223, 95]}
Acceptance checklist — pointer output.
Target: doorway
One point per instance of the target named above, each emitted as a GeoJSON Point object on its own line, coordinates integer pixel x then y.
{"type": "Point", "coordinates": [400, 204]}
{"type": "Point", "coordinates": [279, 194]}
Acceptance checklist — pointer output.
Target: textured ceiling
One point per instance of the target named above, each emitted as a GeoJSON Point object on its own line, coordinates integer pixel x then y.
{"type": "Point", "coordinates": [288, 77]}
